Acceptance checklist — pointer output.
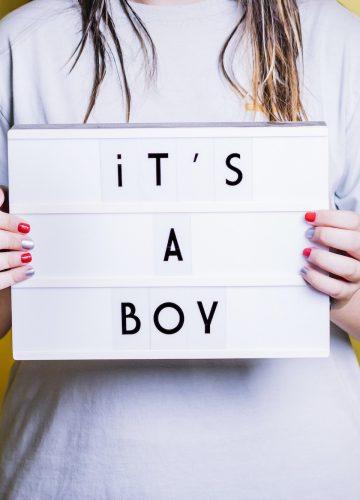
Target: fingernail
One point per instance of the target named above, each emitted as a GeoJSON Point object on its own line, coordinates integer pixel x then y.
{"type": "Point", "coordinates": [27, 244]}
{"type": "Point", "coordinates": [310, 233]}
{"type": "Point", "coordinates": [30, 271]}
{"type": "Point", "coordinates": [307, 252]}
{"type": "Point", "coordinates": [303, 271]}
{"type": "Point", "coordinates": [23, 227]}
{"type": "Point", "coordinates": [310, 216]}
{"type": "Point", "coordinates": [26, 258]}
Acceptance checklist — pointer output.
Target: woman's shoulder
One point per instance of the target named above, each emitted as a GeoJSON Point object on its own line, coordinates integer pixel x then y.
{"type": "Point", "coordinates": [331, 35]}
{"type": "Point", "coordinates": [332, 18]}
{"type": "Point", "coordinates": [22, 22]}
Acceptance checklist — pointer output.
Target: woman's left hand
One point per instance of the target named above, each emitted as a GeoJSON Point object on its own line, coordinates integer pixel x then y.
{"type": "Point", "coordinates": [340, 231]}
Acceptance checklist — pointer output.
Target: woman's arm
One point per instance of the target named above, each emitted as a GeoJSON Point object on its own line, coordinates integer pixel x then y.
{"type": "Point", "coordinates": [347, 316]}
{"type": "Point", "coordinates": [5, 294]}
{"type": "Point", "coordinates": [5, 311]}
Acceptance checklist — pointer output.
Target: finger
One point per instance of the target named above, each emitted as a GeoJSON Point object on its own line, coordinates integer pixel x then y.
{"type": "Point", "coordinates": [9, 222]}
{"type": "Point", "coordinates": [16, 275]}
{"type": "Point", "coordinates": [8, 260]}
{"type": "Point", "coordinates": [343, 219]}
{"type": "Point", "coordinates": [341, 239]}
{"type": "Point", "coordinates": [15, 241]}
{"type": "Point", "coordinates": [335, 288]}
{"type": "Point", "coordinates": [340, 265]}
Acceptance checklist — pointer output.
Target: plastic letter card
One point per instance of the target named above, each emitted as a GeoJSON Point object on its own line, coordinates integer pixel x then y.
{"type": "Point", "coordinates": [168, 240]}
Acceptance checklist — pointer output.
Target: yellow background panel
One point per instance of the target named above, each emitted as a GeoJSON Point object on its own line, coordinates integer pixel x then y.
{"type": "Point", "coordinates": [5, 344]}
{"type": "Point", "coordinates": [353, 5]}
{"type": "Point", "coordinates": [8, 5]}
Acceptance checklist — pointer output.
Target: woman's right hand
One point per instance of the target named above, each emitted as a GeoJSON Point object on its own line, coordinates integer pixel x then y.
{"type": "Point", "coordinates": [14, 246]}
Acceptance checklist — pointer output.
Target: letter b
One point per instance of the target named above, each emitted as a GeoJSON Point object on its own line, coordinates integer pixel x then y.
{"type": "Point", "coordinates": [131, 315]}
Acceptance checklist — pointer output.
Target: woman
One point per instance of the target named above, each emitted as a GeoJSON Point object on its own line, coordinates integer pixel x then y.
{"type": "Point", "coordinates": [232, 429]}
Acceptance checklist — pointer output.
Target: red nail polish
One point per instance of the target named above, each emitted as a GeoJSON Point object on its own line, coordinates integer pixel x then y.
{"type": "Point", "coordinates": [307, 252]}
{"type": "Point", "coordinates": [310, 216]}
{"type": "Point", "coordinates": [26, 258]}
{"type": "Point", "coordinates": [23, 227]}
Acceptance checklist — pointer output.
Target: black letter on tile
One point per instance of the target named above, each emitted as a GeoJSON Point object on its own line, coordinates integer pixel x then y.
{"type": "Point", "coordinates": [131, 314]}
{"type": "Point", "coordinates": [119, 171]}
{"type": "Point", "coordinates": [169, 331]}
{"type": "Point", "coordinates": [207, 321]}
{"type": "Point", "coordinates": [172, 241]}
{"type": "Point", "coordinates": [158, 157]}
{"type": "Point", "coordinates": [235, 169]}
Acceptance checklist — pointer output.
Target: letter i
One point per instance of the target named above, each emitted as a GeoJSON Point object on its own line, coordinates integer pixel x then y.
{"type": "Point", "coordinates": [119, 166]}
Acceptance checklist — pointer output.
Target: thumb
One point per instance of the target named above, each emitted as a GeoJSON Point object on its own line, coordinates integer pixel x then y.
{"type": "Point", "coordinates": [4, 198]}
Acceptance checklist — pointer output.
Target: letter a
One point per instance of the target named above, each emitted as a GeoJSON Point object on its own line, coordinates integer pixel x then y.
{"type": "Point", "coordinates": [172, 241]}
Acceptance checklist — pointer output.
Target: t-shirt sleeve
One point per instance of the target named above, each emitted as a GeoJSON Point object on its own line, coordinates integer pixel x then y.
{"type": "Point", "coordinates": [6, 113]}
{"type": "Point", "coordinates": [4, 127]}
{"type": "Point", "coordinates": [347, 192]}
{"type": "Point", "coordinates": [347, 195]}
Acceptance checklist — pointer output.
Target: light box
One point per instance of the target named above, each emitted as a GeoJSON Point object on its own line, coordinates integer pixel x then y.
{"type": "Point", "coordinates": [168, 240]}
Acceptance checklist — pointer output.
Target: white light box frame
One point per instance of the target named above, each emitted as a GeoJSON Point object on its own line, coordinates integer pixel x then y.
{"type": "Point", "coordinates": [168, 240]}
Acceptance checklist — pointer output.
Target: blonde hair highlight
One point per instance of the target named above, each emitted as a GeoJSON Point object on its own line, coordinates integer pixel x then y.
{"type": "Point", "coordinates": [273, 30]}
{"type": "Point", "coordinates": [272, 27]}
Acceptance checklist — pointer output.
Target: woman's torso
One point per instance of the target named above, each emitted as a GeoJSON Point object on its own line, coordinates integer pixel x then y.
{"type": "Point", "coordinates": [234, 429]}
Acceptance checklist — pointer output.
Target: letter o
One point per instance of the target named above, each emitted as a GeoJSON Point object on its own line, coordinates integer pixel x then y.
{"type": "Point", "coordinates": [169, 331]}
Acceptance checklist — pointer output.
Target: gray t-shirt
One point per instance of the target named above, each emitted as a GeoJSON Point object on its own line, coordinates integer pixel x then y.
{"type": "Point", "coordinates": [259, 429]}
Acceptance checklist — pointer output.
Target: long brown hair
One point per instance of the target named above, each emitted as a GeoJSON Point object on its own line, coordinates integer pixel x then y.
{"type": "Point", "coordinates": [272, 27]}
